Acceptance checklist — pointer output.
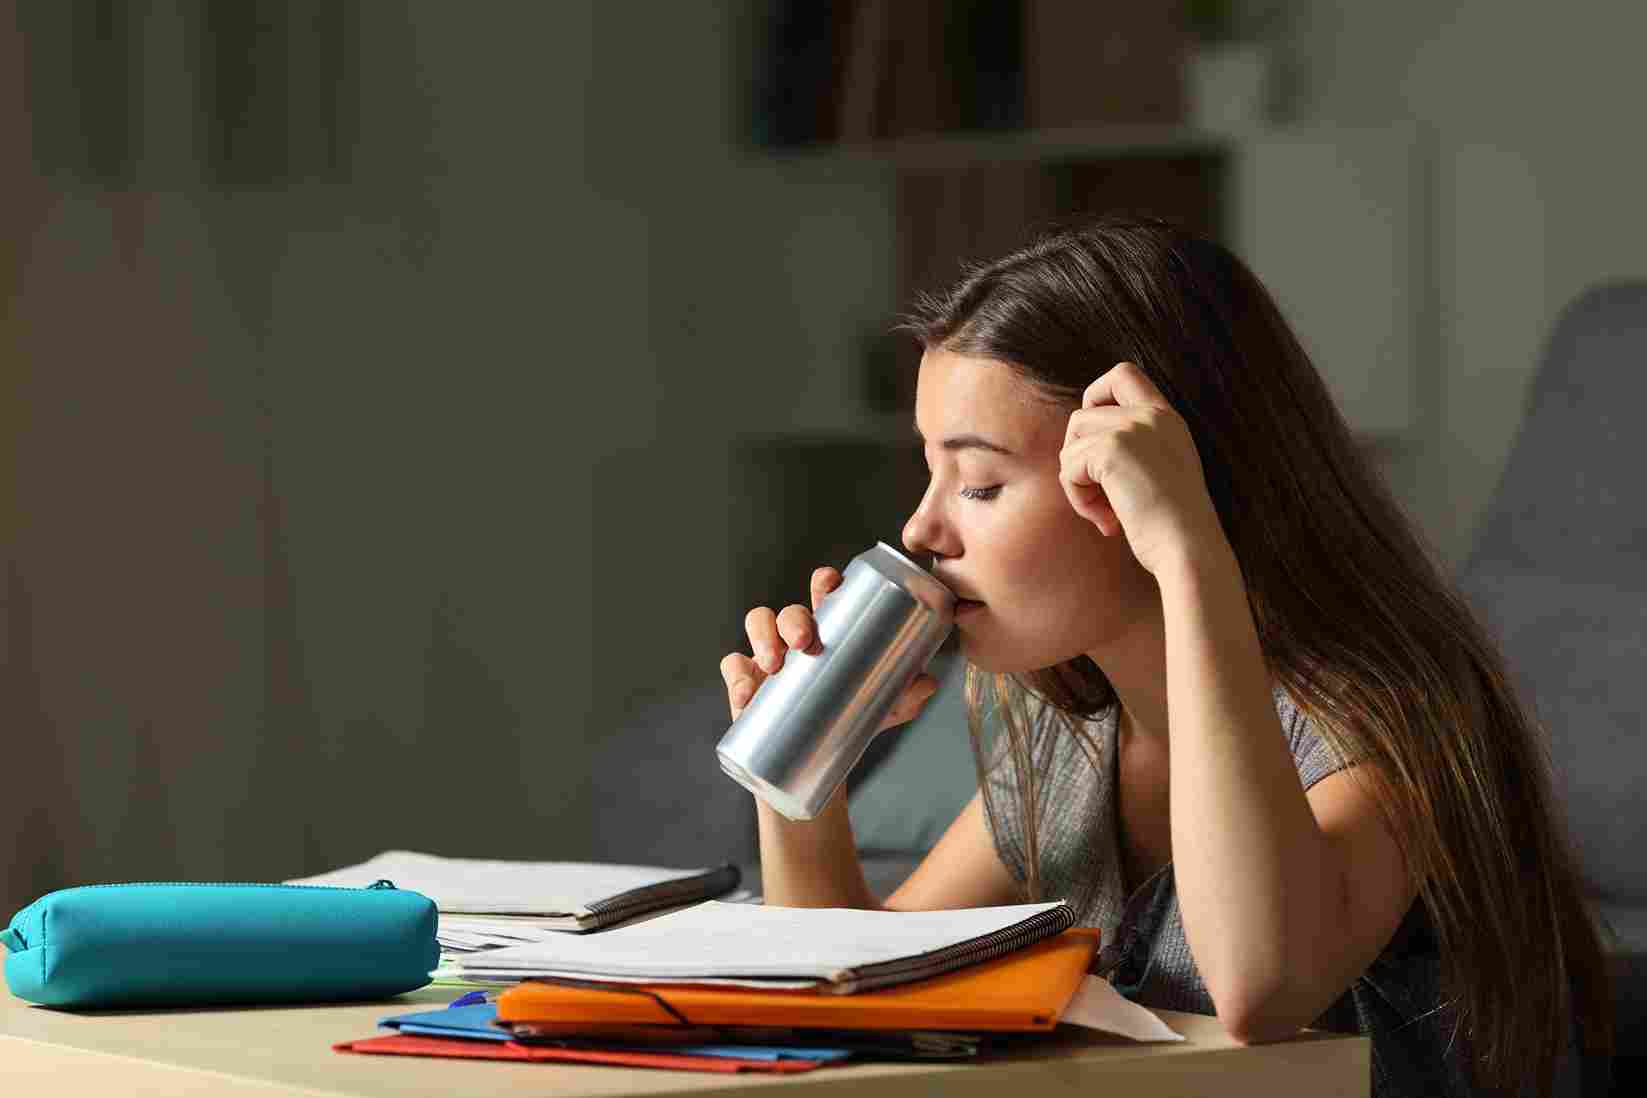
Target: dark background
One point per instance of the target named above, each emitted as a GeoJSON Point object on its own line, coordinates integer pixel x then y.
{"type": "Point", "coordinates": [393, 392]}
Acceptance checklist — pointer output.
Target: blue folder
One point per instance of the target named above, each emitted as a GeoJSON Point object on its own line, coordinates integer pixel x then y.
{"type": "Point", "coordinates": [469, 1022]}
{"type": "Point", "coordinates": [473, 1021]}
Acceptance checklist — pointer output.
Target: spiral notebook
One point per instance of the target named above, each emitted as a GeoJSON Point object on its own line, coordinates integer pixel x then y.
{"type": "Point", "coordinates": [556, 896]}
{"type": "Point", "coordinates": [836, 950]}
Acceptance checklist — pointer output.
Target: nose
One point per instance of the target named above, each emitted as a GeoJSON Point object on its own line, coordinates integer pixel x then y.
{"type": "Point", "coordinates": [926, 533]}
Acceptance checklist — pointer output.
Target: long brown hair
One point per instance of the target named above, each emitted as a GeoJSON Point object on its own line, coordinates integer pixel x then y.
{"type": "Point", "coordinates": [1357, 620]}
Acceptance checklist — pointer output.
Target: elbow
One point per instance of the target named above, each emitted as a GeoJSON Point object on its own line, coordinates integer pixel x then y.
{"type": "Point", "coordinates": [1258, 1031]}
{"type": "Point", "coordinates": [1257, 1021]}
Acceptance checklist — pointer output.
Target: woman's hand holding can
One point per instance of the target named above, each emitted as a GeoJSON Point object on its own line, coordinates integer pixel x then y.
{"type": "Point", "coordinates": [772, 635]}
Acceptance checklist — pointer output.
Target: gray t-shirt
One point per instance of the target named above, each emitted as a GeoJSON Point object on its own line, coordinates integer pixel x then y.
{"type": "Point", "coordinates": [1396, 1002]}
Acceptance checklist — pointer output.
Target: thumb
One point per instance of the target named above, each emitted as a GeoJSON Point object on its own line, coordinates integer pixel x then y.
{"type": "Point", "coordinates": [922, 689]}
{"type": "Point", "coordinates": [911, 701]}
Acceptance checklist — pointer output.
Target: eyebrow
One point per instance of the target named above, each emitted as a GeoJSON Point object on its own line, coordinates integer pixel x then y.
{"type": "Point", "coordinates": [967, 442]}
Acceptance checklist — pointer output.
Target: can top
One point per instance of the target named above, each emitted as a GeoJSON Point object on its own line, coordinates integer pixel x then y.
{"type": "Point", "coordinates": [926, 587]}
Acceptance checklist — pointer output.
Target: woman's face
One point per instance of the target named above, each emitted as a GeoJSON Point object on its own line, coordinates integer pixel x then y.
{"type": "Point", "coordinates": [1001, 530]}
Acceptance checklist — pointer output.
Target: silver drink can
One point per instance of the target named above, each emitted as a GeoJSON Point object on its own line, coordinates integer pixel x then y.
{"type": "Point", "coordinates": [809, 724]}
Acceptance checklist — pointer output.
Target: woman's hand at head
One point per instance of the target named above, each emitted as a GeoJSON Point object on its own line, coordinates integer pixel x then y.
{"type": "Point", "coordinates": [1129, 466]}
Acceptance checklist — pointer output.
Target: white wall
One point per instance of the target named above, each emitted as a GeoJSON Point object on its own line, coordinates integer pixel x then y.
{"type": "Point", "coordinates": [345, 515]}
{"type": "Point", "coordinates": [1537, 110]}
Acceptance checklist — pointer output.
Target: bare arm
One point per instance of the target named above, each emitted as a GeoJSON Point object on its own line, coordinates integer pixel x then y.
{"type": "Point", "coordinates": [1285, 898]}
{"type": "Point", "coordinates": [962, 870]}
{"type": "Point", "coordinates": [816, 865]}
{"type": "Point", "coordinates": [812, 864]}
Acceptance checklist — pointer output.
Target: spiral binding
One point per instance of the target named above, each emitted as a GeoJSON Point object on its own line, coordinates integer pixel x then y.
{"type": "Point", "coordinates": [1043, 924]}
{"type": "Point", "coordinates": [624, 905]}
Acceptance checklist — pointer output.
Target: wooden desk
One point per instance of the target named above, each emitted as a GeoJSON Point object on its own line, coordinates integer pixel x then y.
{"type": "Point", "coordinates": [272, 1051]}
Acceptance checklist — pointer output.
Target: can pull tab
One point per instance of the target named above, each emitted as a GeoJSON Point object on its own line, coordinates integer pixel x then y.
{"type": "Point", "coordinates": [381, 882]}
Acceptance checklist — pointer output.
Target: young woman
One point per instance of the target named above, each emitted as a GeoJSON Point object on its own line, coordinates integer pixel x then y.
{"type": "Point", "coordinates": [1239, 716]}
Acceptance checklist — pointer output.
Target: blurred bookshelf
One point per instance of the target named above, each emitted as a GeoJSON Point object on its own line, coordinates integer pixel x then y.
{"type": "Point", "coordinates": [948, 152]}
{"type": "Point", "coordinates": [982, 121]}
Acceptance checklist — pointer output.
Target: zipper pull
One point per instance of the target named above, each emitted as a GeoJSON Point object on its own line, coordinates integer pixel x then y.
{"type": "Point", "coordinates": [381, 882]}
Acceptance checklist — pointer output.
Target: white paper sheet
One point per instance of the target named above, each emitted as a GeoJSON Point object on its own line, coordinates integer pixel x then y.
{"type": "Point", "coordinates": [479, 886]}
{"type": "Point", "coordinates": [1097, 1005]}
{"type": "Point", "coordinates": [744, 940]}
{"type": "Point", "coordinates": [460, 967]}
{"type": "Point", "coordinates": [472, 933]}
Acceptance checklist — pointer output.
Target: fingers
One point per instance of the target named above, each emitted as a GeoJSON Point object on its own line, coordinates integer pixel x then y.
{"type": "Point", "coordinates": [771, 635]}
{"type": "Point", "coordinates": [764, 642]}
{"type": "Point", "coordinates": [1090, 422]}
{"type": "Point", "coordinates": [912, 701]}
{"type": "Point", "coordinates": [794, 627]}
{"type": "Point", "coordinates": [742, 679]}
{"type": "Point", "coordinates": [798, 629]}
{"type": "Point", "coordinates": [1073, 467]}
{"type": "Point", "coordinates": [824, 580]}
{"type": "Point", "coordinates": [1086, 494]}
{"type": "Point", "coordinates": [1123, 384]}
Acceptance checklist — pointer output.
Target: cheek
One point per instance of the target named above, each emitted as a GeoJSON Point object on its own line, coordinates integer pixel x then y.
{"type": "Point", "coordinates": [1074, 585]}
{"type": "Point", "coordinates": [1066, 592]}
{"type": "Point", "coordinates": [1057, 553]}
{"type": "Point", "coordinates": [1039, 531]}
{"type": "Point", "coordinates": [1050, 572]}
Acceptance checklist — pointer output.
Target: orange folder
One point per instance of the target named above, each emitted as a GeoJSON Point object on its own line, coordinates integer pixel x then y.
{"type": "Point", "coordinates": [1026, 990]}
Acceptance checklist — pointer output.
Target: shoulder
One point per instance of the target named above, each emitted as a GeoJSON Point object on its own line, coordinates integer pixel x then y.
{"type": "Point", "coordinates": [1294, 724]}
{"type": "Point", "coordinates": [1313, 753]}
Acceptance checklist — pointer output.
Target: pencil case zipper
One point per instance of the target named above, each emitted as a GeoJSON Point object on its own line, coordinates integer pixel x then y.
{"type": "Point", "coordinates": [378, 885]}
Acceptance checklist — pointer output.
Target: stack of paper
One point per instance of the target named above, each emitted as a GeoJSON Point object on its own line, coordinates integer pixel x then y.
{"type": "Point", "coordinates": [486, 904]}
{"type": "Point", "coordinates": [837, 949]}
{"type": "Point", "coordinates": [729, 987]}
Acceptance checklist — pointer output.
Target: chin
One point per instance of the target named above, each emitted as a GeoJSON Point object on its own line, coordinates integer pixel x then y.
{"type": "Point", "coordinates": [990, 659]}
{"type": "Point", "coordinates": [995, 663]}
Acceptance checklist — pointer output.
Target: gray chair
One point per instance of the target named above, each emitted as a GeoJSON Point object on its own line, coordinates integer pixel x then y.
{"type": "Point", "coordinates": [1559, 572]}
{"type": "Point", "coordinates": [658, 790]}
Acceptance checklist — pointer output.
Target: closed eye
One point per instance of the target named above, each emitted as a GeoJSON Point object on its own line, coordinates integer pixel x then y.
{"type": "Point", "coordinates": [981, 493]}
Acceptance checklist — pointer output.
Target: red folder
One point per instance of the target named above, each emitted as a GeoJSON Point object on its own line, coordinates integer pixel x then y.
{"type": "Point", "coordinates": [509, 1050]}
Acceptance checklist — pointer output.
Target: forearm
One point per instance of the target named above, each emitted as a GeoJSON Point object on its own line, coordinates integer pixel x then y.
{"type": "Point", "coordinates": [1251, 867]}
{"type": "Point", "coordinates": [812, 863]}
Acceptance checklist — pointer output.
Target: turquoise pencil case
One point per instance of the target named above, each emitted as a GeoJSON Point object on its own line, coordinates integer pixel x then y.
{"type": "Point", "coordinates": [190, 943]}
